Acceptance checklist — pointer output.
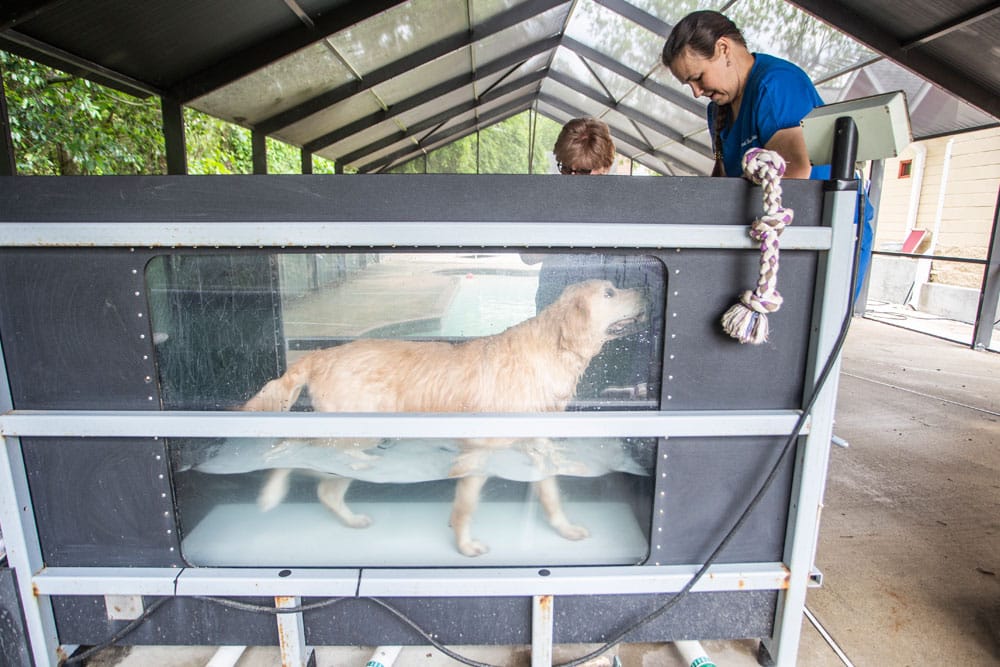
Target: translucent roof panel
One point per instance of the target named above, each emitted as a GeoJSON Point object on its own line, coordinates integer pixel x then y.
{"type": "Point", "coordinates": [580, 104]}
{"type": "Point", "coordinates": [546, 24]}
{"type": "Point", "coordinates": [331, 117]}
{"type": "Point", "coordinates": [681, 120]}
{"type": "Point", "coordinates": [400, 31]}
{"type": "Point", "coordinates": [671, 11]}
{"type": "Point", "coordinates": [615, 36]}
{"type": "Point", "coordinates": [423, 77]}
{"type": "Point", "coordinates": [279, 86]}
{"type": "Point", "coordinates": [781, 29]}
{"type": "Point", "coordinates": [484, 10]}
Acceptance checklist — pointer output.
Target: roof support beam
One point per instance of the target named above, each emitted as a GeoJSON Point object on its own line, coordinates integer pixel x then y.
{"type": "Point", "coordinates": [18, 11]}
{"type": "Point", "coordinates": [453, 133]}
{"type": "Point", "coordinates": [276, 47]}
{"type": "Point", "coordinates": [975, 15]}
{"type": "Point", "coordinates": [669, 94]}
{"type": "Point", "coordinates": [443, 116]}
{"type": "Point", "coordinates": [33, 49]}
{"type": "Point", "coordinates": [512, 17]}
{"type": "Point", "coordinates": [630, 113]}
{"type": "Point", "coordinates": [510, 60]}
{"type": "Point", "coordinates": [989, 292]}
{"type": "Point", "coordinates": [258, 152]}
{"type": "Point", "coordinates": [914, 59]}
{"type": "Point", "coordinates": [8, 163]}
{"type": "Point", "coordinates": [639, 16]}
{"type": "Point", "coordinates": [173, 136]}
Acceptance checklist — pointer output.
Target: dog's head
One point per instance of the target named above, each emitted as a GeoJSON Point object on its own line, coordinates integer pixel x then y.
{"type": "Point", "coordinates": [595, 311]}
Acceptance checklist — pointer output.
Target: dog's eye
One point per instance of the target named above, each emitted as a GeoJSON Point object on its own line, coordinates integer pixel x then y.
{"type": "Point", "coordinates": [609, 293]}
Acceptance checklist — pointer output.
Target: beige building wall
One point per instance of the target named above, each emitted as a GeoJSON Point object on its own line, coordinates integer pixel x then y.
{"type": "Point", "coordinates": [966, 168]}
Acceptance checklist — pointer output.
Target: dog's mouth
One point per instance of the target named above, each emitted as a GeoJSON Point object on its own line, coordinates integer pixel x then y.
{"type": "Point", "coordinates": [627, 326]}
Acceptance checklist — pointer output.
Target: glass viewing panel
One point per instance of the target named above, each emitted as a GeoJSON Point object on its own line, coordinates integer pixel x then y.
{"type": "Point", "coordinates": [410, 332]}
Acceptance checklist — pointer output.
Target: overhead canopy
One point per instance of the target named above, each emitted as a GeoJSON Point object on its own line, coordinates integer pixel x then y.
{"type": "Point", "coordinates": [374, 83]}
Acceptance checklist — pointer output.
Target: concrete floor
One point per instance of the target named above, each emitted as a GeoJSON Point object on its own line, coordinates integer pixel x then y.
{"type": "Point", "coordinates": [910, 535]}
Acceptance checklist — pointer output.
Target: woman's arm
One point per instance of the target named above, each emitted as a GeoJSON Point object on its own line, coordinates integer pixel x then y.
{"type": "Point", "coordinates": [790, 144]}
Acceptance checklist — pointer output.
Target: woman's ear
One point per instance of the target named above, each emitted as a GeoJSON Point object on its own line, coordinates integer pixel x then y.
{"type": "Point", "coordinates": [723, 47]}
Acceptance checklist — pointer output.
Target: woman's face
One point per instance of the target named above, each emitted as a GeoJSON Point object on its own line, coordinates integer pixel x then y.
{"type": "Point", "coordinates": [713, 77]}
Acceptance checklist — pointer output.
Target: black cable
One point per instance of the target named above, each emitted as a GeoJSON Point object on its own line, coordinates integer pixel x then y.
{"type": "Point", "coordinates": [771, 476]}
{"type": "Point", "coordinates": [117, 637]}
{"type": "Point", "coordinates": [423, 633]}
{"type": "Point", "coordinates": [264, 609]}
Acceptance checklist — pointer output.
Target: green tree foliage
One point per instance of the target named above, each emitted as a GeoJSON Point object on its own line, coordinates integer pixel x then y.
{"type": "Point", "coordinates": [215, 146]}
{"type": "Point", "coordinates": [63, 125]}
{"type": "Point", "coordinates": [503, 148]}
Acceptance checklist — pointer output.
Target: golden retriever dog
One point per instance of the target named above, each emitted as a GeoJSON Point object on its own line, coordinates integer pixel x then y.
{"type": "Point", "coordinates": [533, 366]}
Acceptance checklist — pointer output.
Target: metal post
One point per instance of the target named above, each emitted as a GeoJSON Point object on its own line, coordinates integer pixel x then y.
{"type": "Point", "coordinates": [291, 634]}
{"type": "Point", "coordinates": [874, 196]}
{"type": "Point", "coordinates": [173, 136]}
{"type": "Point", "coordinates": [845, 149]}
{"type": "Point", "coordinates": [541, 630]}
{"type": "Point", "coordinates": [8, 165]}
{"type": "Point", "coordinates": [832, 297]}
{"type": "Point", "coordinates": [258, 143]}
{"type": "Point", "coordinates": [989, 293]}
{"type": "Point", "coordinates": [24, 553]}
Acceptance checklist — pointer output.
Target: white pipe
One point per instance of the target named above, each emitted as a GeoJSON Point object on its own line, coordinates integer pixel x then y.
{"type": "Point", "coordinates": [694, 654]}
{"type": "Point", "coordinates": [226, 656]}
{"type": "Point", "coordinates": [384, 656]}
{"type": "Point", "coordinates": [916, 184]}
{"type": "Point", "coordinates": [939, 213]}
{"type": "Point", "coordinates": [924, 265]}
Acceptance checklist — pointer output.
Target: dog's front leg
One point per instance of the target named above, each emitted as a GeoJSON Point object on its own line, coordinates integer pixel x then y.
{"type": "Point", "coordinates": [331, 493]}
{"type": "Point", "coordinates": [466, 500]}
{"type": "Point", "coordinates": [548, 493]}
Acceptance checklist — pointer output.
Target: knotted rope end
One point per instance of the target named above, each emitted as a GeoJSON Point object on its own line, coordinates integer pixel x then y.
{"type": "Point", "coordinates": [745, 324]}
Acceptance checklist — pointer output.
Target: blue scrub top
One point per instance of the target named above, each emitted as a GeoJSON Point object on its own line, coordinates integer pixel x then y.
{"type": "Point", "coordinates": [777, 95]}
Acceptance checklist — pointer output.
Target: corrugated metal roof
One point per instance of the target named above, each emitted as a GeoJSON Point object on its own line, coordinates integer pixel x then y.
{"type": "Point", "coordinates": [374, 83]}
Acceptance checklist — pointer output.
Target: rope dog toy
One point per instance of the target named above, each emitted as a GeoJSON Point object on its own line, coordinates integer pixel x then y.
{"type": "Point", "coordinates": [747, 320]}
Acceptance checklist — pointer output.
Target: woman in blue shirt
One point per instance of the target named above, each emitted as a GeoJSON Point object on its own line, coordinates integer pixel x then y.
{"type": "Point", "coordinates": [757, 99]}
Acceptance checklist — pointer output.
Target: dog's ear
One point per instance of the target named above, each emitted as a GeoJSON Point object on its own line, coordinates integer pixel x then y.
{"type": "Point", "coordinates": [575, 324]}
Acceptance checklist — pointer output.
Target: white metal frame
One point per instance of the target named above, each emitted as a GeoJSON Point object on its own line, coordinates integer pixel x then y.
{"type": "Point", "coordinates": [37, 583]}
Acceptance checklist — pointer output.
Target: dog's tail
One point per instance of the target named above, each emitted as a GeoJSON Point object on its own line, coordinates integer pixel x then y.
{"type": "Point", "coordinates": [280, 394]}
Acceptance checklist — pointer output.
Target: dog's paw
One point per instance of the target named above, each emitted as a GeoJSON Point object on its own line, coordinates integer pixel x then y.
{"type": "Point", "coordinates": [572, 532]}
{"type": "Point", "coordinates": [267, 502]}
{"type": "Point", "coordinates": [358, 521]}
{"type": "Point", "coordinates": [473, 548]}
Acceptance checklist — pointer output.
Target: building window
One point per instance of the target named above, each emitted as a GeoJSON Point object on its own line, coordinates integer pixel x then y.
{"type": "Point", "coordinates": [904, 168]}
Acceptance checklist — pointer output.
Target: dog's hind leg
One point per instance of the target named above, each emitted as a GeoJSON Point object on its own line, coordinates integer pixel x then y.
{"type": "Point", "coordinates": [274, 490]}
{"type": "Point", "coordinates": [331, 493]}
{"type": "Point", "coordinates": [548, 493]}
{"type": "Point", "coordinates": [466, 500]}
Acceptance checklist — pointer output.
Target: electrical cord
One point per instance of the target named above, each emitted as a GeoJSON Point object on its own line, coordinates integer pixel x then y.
{"type": "Point", "coordinates": [264, 609]}
{"type": "Point", "coordinates": [768, 481]}
{"type": "Point", "coordinates": [118, 636]}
